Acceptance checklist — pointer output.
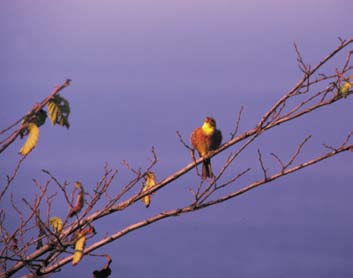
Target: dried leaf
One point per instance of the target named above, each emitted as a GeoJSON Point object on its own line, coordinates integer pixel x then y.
{"type": "Point", "coordinates": [79, 247]}
{"type": "Point", "coordinates": [150, 181]}
{"type": "Point", "coordinates": [41, 233]}
{"type": "Point", "coordinates": [80, 200]}
{"type": "Point", "coordinates": [105, 271]}
{"type": "Point", "coordinates": [57, 224]}
{"type": "Point", "coordinates": [343, 91]}
{"type": "Point", "coordinates": [32, 139]}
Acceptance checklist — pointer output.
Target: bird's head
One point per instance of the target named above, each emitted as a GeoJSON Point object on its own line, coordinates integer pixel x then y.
{"type": "Point", "coordinates": [209, 125]}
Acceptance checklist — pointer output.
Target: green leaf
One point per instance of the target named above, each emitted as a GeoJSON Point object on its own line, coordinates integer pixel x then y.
{"type": "Point", "coordinates": [59, 111]}
{"type": "Point", "coordinates": [38, 118]}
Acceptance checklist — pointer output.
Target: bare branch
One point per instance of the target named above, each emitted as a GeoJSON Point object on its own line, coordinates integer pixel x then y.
{"type": "Point", "coordinates": [56, 251]}
{"type": "Point", "coordinates": [237, 123]}
{"type": "Point", "coordinates": [183, 141]}
{"type": "Point", "coordinates": [278, 160]}
{"type": "Point", "coordinates": [11, 178]}
{"type": "Point", "coordinates": [264, 170]}
{"type": "Point", "coordinates": [297, 151]}
{"type": "Point", "coordinates": [193, 207]}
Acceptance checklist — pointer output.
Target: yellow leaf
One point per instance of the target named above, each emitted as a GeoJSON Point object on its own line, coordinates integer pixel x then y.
{"type": "Point", "coordinates": [147, 200]}
{"type": "Point", "coordinates": [79, 247]}
{"type": "Point", "coordinates": [57, 224]}
{"type": "Point", "coordinates": [52, 111]}
{"type": "Point", "coordinates": [345, 89]}
{"type": "Point", "coordinates": [32, 139]}
{"type": "Point", "coordinates": [150, 181]}
{"type": "Point", "coordinates": [59, 110]}
{"type": "Point", "coordinates": [78, 185]}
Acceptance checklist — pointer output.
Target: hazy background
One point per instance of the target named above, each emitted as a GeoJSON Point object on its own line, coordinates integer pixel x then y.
{"type": "Point", "coordinates": [141, 70]}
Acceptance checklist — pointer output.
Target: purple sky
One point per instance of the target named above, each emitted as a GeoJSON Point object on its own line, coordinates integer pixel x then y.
{"type": "Point", "coordinates": [141, 70]}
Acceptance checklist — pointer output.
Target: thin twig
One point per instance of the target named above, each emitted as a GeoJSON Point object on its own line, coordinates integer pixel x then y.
{"type": "Point", "coordinates": [190, 208]}
{"type": "Point", "coordinates": [264, 170]}
{"type": "Point", "coordinates": [237, 123]}
{"type": "Point", "coordinates": [35, 109]}
{"type": "Point", "coordinates": [12, 177]}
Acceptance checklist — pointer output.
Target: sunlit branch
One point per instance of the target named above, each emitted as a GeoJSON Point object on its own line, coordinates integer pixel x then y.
{"type": "Point", "coordinates": [35, 109]}
{"type": "Point", "coordinates": [55, 253]}
{"type": "Point", "coordinates": [11, 178]}
{"type": "Point", "coordinates": [194, 207]}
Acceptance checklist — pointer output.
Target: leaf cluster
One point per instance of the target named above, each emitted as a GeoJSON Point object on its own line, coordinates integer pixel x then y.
{"type": "Point", "coordinates": [58, 112]}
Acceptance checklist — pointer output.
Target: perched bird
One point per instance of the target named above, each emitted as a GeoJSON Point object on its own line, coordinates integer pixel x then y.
{"type": "Point", "coordinates": [205, 139]}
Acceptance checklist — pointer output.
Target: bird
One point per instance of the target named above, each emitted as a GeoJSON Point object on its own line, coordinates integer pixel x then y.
{"type": "Point", "coordinates": [205, 139]}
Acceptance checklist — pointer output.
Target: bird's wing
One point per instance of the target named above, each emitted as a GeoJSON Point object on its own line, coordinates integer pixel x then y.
{"type": "Point", "coordinates": [217, 139]}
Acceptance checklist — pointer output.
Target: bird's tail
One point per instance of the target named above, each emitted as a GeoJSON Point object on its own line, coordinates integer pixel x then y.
{"type": "Point", "coordinates": [206, 169]}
